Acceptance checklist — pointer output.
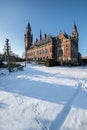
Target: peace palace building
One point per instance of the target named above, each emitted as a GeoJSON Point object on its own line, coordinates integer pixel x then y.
{"type": "Point", "coordinates": [61, 47]}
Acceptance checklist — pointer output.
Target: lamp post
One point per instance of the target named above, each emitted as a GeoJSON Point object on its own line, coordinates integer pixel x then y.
{"type": "Point", "coordinates": [25, 50]}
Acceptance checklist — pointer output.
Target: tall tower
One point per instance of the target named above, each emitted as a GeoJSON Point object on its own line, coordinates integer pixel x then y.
{"type": "Point", "coordinates": [74, 45]}
{"type": "Point", "coordinates": [28, 37]}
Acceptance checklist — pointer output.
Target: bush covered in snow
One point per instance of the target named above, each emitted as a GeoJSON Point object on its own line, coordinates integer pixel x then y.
{"type": "Point", "coordinates": [51, 62]}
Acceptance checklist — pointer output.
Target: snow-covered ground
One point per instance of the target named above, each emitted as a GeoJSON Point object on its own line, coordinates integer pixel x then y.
{"type": "Point", "coordinates": [42, 98]}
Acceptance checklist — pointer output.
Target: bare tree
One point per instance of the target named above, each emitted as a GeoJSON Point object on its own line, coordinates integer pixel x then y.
{"type": "Point", "coordinates": [7, 52]}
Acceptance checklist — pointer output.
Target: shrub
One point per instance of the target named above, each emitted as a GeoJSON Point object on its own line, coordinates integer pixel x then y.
{"type": "Point", "coordinates": [13, 67]}
{"type": "Point", "coordinates": [1, 64]}
{"type": "Point", "coordinates": [50, 62]}
{"type": "Point", "coordinates": [70, 63]}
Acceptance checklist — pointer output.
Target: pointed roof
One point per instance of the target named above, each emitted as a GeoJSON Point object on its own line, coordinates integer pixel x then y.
{"type": "Point", "coordinates": [28, 26]}
{"type": "Point", "coordinates": [75, 27]}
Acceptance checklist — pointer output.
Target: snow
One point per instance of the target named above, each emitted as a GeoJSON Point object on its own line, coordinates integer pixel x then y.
{"type": "Point", "coordinates": [44, 98]}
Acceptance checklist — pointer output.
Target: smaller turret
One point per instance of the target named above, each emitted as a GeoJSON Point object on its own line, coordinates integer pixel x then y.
{"type": "Point", "coordinates": [40, 35]}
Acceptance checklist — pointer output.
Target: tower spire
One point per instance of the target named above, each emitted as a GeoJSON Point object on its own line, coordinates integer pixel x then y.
{"type": "Point", "coordinates": [74, 31]}
{"type": "Point", "coordinates": [28, 28]}
{"type": "Point", "coordinates": [75, 27]}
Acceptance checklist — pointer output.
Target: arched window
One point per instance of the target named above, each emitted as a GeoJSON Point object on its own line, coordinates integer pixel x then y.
{"type": "Point", "coordinates": [60, 52]}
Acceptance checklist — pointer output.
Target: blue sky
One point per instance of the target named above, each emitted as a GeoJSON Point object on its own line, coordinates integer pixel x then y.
{"type": "Point", "coordinates": [51, 16]}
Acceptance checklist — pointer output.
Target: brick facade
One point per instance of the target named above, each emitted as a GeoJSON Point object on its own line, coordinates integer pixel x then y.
{"type": "Point", "coordinates": [61, 47]}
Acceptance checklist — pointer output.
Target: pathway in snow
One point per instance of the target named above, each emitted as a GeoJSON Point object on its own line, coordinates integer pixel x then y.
{"type": "Point", "coordinates": [56, 125]}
